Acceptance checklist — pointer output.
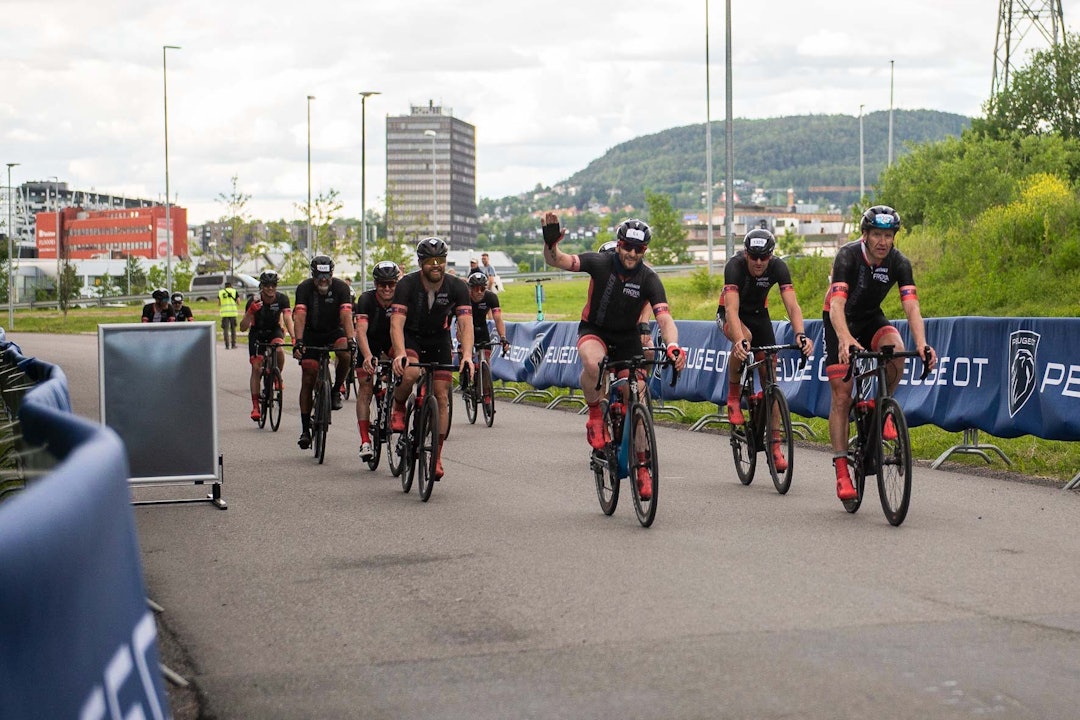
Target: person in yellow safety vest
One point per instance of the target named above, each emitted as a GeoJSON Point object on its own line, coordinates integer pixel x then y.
{"type": "Point", "coordinates": [227, 298]}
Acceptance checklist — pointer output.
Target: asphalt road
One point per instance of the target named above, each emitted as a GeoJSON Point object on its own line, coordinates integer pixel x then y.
{"type": "Point", "coordinates": [325, 592]}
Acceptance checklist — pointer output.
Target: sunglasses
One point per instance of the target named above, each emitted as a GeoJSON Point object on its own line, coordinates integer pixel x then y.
{"type": "Point", "coordinates": [636, 249]}
{"type": "Point", "coordinates": [761, 258]}
{"type": "Point", "coordinates": [385, 285]}
{"type": "Point", "coordinates": [432, 261]}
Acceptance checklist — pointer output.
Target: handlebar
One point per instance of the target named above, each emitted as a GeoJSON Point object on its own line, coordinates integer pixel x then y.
{"type": "Point", "coordinates": [885, 354]}
{"type": "Point", "coordinates": [637, 362]}
{"type": "Point", "coordinates": [775, 349]}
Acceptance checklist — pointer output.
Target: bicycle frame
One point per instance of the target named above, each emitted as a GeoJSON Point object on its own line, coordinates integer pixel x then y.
{"type": "Point", "coordinates": [422, 440]}
{"type": "Point", "coordinates": [321, 402]}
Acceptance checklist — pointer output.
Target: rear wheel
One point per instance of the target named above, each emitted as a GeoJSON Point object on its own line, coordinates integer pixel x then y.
{"type": "Point", "coordinates": [894, 470]}
{"type": "Point", "coordinates": [643, 460]}
{"type": "Point", "coordinates": [743, 448]}
{"type": "Point", "coordinates": [605, 467]}
{"type": "Point", "coordinates": [468, 393]}
{"type": "Point", "coordinates": [376, 432]}
{"type": "Point", "coordinates": [487, 398]}
{"type": "Point", "coordinates": [857, 462]}
{"type": "Point", "coordinates": [266, 399]}
{"type": "Point", "coordinates": [781, 442]}
{"type": "Point", "coordinates": [428, 446]}
{"type": "Point", "coordinates": [321, 421]}
{"type": "Point", "coordinates": [406, 446]}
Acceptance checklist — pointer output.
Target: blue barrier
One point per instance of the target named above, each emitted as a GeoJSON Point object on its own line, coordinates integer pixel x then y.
{"type": "Point", "coordinates": [1006, 376]}
{"type": "Point", "coordinates": [76, 638]}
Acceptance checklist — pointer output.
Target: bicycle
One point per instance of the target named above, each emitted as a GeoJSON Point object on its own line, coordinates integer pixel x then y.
{"type": "Point", "coordinates": [350, 379]}
{"type": "Point", "coordinates": [321, 408]}
{"type": "Point", "coordinates": [869, 451]}
{"type": "Point", "coordinates": [767, 416]}
{"type": "Point", "coordinates": [477, 393]}
{"type": "Point", "coordinates": [418, 446]}
{"type": "Point", "coordinates": [382, 404]}
{"type": "Point", "coordinates": [269, 381]}
{"type": "Point", "coordinates": [616, 461]}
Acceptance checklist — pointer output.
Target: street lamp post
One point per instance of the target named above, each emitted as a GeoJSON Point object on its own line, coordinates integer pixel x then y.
{"type": "Point", "coordinates": [892, 66]}
{"type": "Point", "coordinates": [11, 254]}
{"type": "Point", "coordinates": [862, 166]}
{"type": "Point", "coordinates": [708, 148]}
{"type": "Point", "coordinates": [364, 95]}
{"type": "Point", "coordinates": [56, 236]}
{"type": "Point", "coordinates": [309, 246]}
{"type": "Point", "coordinates": [434, 203]}
{"type": "Point", "coordinates": [168, 224]}
{"type": "Point", "coordinates": [729, 176]}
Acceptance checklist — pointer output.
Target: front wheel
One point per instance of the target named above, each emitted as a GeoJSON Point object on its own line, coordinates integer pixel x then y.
{"type": "Point", "coordinates": [266, 400]}
{"type": "Point", "coordinates": [427, 446]}
{"type": "Point", "coordinates": [643, 463]}
{"type": "Point", "coordinates": [469, 396]}
{"type": "Point", "coordinates": [376, 432]}
{"type": "Point", "coordinates": [780, 451]}
{"type": "Point", "coordinates": [322, 421]}
{"type": "Point", "coordinates": [487, 397]}
{"type": "Point", "coordinates": [894, 472]}
{"type": "Point", "coordinates": [744, 449]}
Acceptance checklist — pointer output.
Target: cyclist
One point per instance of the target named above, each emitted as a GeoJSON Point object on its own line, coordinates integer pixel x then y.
{"type": "Point", "coordinates": [483, 302]}
{"type": "Point", "coordinates": [159, 309]}
{"type": "Point", "coordinates": [743, 315]}
{"type": "Point", "coordinates": [227, 299]}
{"type": "Point", "coordinates": [643, 320]}
{"type": "Point", "coordinates": [181, 311]}
{"type": "Point", "coordinates": [622, 285]}
{"type": "Point", "coordinates": [264, 315]}
{"type": "Point", "coordinates": [862, 273]}
{"type": "Point", "coordinates": [323, 318]}
{"type": "Point", "coordinates": [372, 317]}
{"type": "Point", "coordinates": [420, 330]}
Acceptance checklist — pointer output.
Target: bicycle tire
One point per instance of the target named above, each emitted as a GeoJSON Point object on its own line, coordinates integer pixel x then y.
{"type": "Point", "coordinates": [322, 421]}
{"type": "Point", "coordinates": [779, 405]}
{"type": "Point", "coordinates": [469, 395]}
{"type": "Point", "coordinates": [449, 411]}
{"type": "Point", "coordinates": [275, 410]}
{"type": "Point", "coordinates": [642, 434]}
{"type": "Point", "coordinates": [487, 398]}
{"type": "Point", "coordinates": [375, 411]}
{"type": "Point", "coordinates": [894, 469]}
{"type": "Point", "coordinates": [408, 472]}
{"type": "Point", "coordinates": [395, 441]}
{"type": "Point", "coordinates": [743, 448]}
{"type": "Point", "coordinates": [427, 446]}
{"type": "Point", "coordinates": [265, 399]}
{"type": "Point", "coordinates": [857, 465]}
{"type": "Point", "coordinates": [605, 467]}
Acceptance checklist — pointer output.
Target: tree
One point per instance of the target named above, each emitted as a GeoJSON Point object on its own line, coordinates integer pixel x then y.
{"type": "Point", "coordinates": [68, 286]}
{"type": "Point", "coordinates": [669, 244]}
{"type": "Point", "coordinates": [789, 243]}
{"type": "Point", "coordinates": [134, 276]}
{"type": "Point", "coordinates": [324, 210]}
{"type": "Point", "coordinates": [236, 217]}
{"type": "Point", "coordinates": [1043, 97]}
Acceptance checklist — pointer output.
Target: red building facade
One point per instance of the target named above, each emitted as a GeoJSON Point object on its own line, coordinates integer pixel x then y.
{"type": "Point", "coordinates": [88, 234]}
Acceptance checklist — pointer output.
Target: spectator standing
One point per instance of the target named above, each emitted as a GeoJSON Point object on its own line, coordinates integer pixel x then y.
{"type": "Point", "coordinates": [227, 299]}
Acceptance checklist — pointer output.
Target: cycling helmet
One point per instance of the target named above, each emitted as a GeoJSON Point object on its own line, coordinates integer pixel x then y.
{"type": "Point", "coordinates": [881, 217]}
{"type": "Point", "coordinates": [609, 246]}
{"type": "Point", "coordinates": [431, 247]}
{"type": "Point", "coordinates": [161, 295]}
{"type": "Point", "coordinates": [269, 278]}
{"type": "Point", "coordinates": [322, 265]}
{"type": "Point", "coordinates": [477, 279]}
{"type": "Point", "coordinates": [178, 297]}
{"type": "Point", "coordinates": [759, 243]}
{"type": "Point", "coordinates": [633, 232]}
{"type": "Point", "coordinates": [385, 271]}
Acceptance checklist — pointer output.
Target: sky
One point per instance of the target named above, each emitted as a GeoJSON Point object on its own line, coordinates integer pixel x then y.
{"type": "Point", "coordinates": [550, 86]}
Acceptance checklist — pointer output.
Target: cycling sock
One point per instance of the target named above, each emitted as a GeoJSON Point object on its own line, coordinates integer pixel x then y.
{"type": "Point", "coordinates": [733, 392]}
{"type": "Point", "coordinates": [594, 411]}
{"type": "Point", "coordinates": [305, 422]}
{"type": "Point", "coordinates": [365, 430]}
{"type": "Point", "coordinates": [254, 400]}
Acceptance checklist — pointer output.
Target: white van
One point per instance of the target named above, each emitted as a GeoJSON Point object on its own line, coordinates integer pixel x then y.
{"type": "Point", "coordinates": [205, 287]}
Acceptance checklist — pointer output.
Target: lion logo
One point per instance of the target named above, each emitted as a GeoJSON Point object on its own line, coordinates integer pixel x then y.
{"type": "Point", "coordinates": [1023, 348]}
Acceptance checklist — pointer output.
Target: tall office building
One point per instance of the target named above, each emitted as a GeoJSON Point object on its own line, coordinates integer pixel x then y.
{"type": "Point", "coordinates": [431, 176]}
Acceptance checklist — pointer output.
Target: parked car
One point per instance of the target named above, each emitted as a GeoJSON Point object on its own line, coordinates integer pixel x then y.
{"type": "Point", "coordinates": [204, 288]}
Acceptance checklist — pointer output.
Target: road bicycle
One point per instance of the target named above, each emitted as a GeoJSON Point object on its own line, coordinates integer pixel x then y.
{"type": "Point", "coordinates": [350, 378]}
{"type": "Point", "coordinates": [382, 404]}
{"type": "Point", "coordinates": [870, 452]}
{"type": "Point", "coordinates": [476, 391]}
{"type": "Point", "coordinates": [632, 446]}
{"type": "Point", "coordinates": [417, 448]}
{"type": "Point", "coordinates": [767, 420]}
{"type": "Point", "coordinates": [270, 386]}
{"type": "Point", "coordinates": [323, 398]}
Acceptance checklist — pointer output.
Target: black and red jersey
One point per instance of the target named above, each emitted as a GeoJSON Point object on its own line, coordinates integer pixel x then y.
{"type": "Point", "coordinates": [754, 291]}
{"type": "Point", "coordinates": [377, 318]}
{"type": "Point", "coordinates": [864, 285]}
{"type": "Point", "coordinates": [323, 311]}
{"type": "Point", "coordinates": [616, 296]}
{"type": "Point", "coordinates": [268, 318]}
{"type": "Point", "coordinates": [427, 313]}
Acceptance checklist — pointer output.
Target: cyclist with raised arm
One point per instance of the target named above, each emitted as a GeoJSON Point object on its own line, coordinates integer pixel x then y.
{"type": "Point", "coordinates": [267, 317]}
{"type": "Point", "coordinates": [372, 316]}
{"type": "Point", "coordinates": [743, 315]}
{"type": "Point", "coordinates": [181, 311]}
{"type": "Point", "coordinates": [322, 318]}
{"type": "Point", "coordinates": [862, 274]}
{"type": "Point", "coordinates": [621, 286]}
{"type": "Point", "coordinates": [420, 331]}
{"type": "Point", "coordinates": [159, 309]}
{"type": "Point", "coordinates": [485, 302]}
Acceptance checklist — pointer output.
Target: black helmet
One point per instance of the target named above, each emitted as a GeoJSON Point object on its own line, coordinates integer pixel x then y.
{"type": "Point", "coordinates": [881, 217]}
{"type": "Point", "coordinates": [431, 247]}
{"type": "Point", "coordinates": [759, 243]}
{"type": "Point", "coordinates": [609, 246]}
{"type": "Point", "coordinates": [322, 265]}
{"type": "Point", "coordinates": [178, 297]}
{"type": "Point", "coordinates": [385, 271]}
{"type": "Point", "coordinates": [477, 279]}
{"type": "Point", "coordinates": [633, 232]}
{"type": "Point", "coordinates": [269, 278]}
{"type": "Point", "coordinates": [161, 295]}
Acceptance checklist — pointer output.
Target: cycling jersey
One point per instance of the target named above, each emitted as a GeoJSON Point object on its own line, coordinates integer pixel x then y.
{"type": "Point", "coordinates": [754, 291]}
{"type": "Point", "coordinates": [616, 296]}
{"type": "Point", "coordinates": [864, 285]}
{"type": "Point", "coordinates": [480, 309]}
{"type": "Point", "coordinates": [150, 313]}
{"type": "Point", "coordinates": [267, 320]}
{"type": "Point", "coordinates": [183, 314]}
{"type": "Point", "coordinates": [323, 311]}
{"type": "Point", "coordinates": [378, 321]}
{"type": "Point", "coordinates": [427, 314]}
